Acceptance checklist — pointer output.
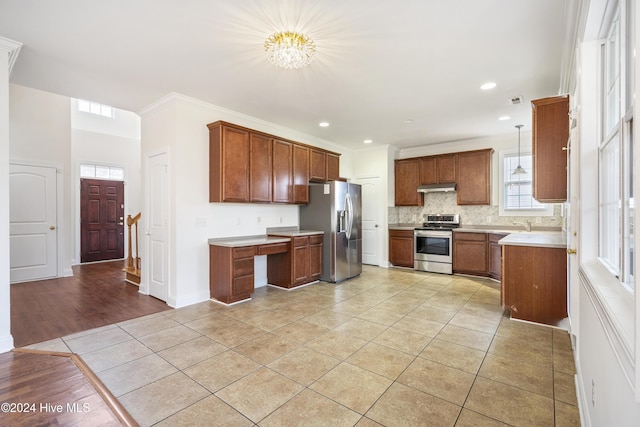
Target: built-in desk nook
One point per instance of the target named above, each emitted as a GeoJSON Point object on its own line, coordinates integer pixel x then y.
{"type": "Point", "coordinates": [294, 258]}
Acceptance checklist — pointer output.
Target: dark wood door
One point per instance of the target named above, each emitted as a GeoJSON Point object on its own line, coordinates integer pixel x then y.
{"type": "Point", "coordinates": [101, 220]}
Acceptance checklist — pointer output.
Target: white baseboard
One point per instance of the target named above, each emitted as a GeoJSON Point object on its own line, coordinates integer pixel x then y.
{"type": "Point", "coordinates": [6, 343]}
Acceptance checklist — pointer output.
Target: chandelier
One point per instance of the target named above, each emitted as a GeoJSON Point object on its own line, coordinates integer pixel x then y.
{"type": "Point", "coordinates": [289, 49]}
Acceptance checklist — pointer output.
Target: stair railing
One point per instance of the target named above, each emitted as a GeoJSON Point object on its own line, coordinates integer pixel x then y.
{"type": "Point", "coordinates": [133, 263]}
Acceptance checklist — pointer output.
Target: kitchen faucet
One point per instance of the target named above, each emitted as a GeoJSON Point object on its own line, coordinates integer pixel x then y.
{"type": "Point", "coordinates": [526, 224]}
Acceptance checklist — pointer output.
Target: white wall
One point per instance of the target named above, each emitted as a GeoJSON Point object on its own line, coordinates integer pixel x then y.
{"type": "Point", "coordinates": [179, 124]}
{"type": "Point", "coordinates": [40, 134]}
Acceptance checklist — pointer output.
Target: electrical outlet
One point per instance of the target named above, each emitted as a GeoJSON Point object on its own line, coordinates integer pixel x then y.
{"type": "Point", "coordinates": [415, 218]}
{"type": "Point", "coordinates": [280, 220]}
{"type": "Point", "coordinates": [538, 220]}
{"type": "Point", "coordinates": [593, 393]}
{"type": "Point", "coordinates": [488, 219]}
{"type": "Point", "coordinates": [259, 220]}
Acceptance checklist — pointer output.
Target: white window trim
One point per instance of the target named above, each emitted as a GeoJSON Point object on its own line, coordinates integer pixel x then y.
{"type": "Point", "coordinates": [520, 212]}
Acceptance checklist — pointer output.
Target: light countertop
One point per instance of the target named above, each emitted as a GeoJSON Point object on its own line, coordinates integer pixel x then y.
{"type": "Point", "coordinates": [505, 229]}
{"type": "Point", "coordinates": [275, 237]}
{"type": "Point", "coordinates": [556, 239]}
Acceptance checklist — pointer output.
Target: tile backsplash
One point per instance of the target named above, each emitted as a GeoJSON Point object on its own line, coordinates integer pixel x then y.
{"type": "Point", "coordinates": [445, 203]}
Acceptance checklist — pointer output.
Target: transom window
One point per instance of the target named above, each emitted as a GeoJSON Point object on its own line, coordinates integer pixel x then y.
{"type": "Point", "coordinates": [96, 108]}
{"type": "Point", "coordinates": [113, 173]}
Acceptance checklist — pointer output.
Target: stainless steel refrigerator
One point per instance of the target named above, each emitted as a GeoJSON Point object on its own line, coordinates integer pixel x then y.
{"type": "Point", "coordinates": [336, 209]}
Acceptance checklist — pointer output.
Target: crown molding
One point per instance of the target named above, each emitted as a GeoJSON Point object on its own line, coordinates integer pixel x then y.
{"type": "Point", "coordinates": [575, 17]}
{"type": "Point", "coordinates": [13, 48]}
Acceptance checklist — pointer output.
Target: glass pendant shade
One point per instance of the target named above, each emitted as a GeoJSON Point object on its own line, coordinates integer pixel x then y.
{"type": "Point", "coordinates": [519, 170]}
{"type": "Point", "coordinates": [289, 49]}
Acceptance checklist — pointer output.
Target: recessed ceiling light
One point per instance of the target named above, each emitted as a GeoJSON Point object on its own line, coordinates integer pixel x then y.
{"type": "Point", "coordinates": [504, 118]}
{"type": "Point", "coordinates": [368, 141]}
{"type": "Point", "coordinates": [323, 124]}
{"type": "Point", "coordinates": [488, 85]}
{"type": "Point", "coordinates": [408, 120]}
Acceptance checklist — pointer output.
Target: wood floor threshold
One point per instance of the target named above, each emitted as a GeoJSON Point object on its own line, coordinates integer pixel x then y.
{"type": "Point", "coordinates": [109, 399]}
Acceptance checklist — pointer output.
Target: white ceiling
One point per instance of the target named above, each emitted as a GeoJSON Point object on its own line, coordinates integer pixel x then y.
{"type": "Point", "coordinates": [377, 62]}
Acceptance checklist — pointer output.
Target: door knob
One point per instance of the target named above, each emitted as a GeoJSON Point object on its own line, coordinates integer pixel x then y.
{"type": "Point", "coordinates": [52, 227]}
{"type": "Point", "coordinates": [572, 251]}
{"type": "Point", "coordinates": [376, 225]}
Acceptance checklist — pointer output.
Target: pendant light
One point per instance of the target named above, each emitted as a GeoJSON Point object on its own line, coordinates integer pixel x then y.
{"type": "Point", "coordinates": [519, 170]}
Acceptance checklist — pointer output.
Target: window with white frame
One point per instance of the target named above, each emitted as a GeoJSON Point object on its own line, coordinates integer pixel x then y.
{"type": "Point", "coordinates": [112, 173]}
{"type": "Point", "coordinates": [96, 108]}
{"type": "Point", "coordinates": [616, 200]}
{"type": "Point", "coordinates": [518, 188]}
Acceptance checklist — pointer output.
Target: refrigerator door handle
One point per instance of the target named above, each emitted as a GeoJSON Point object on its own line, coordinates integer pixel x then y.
{"type": "Point", "coordinates": [349, 207]}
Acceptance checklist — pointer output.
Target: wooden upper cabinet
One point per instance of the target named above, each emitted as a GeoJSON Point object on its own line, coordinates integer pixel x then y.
{"type": "Point", "coordinates": [438, 169]}
{"type": "Point", "coordinates": [550, 139]}
{"type": "Point", "coordinates": [300, 178]}
{"type": "Point", "coordinates": [474, 177]}
{"type": "Point", "coordinates": [260, 168]}
{"type": "Point", "coordinates": [333, 167]}
{"type": "Point", "coordinates": [282, 171]}
{"type": "Point", "coordinates": [228, 163]}
{"type": "Point", "coordinates": [407, 179]}
{"type": "Point", "coordinates": [323, 166]}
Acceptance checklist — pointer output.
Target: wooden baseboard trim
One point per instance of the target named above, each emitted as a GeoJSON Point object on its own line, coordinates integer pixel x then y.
{"type": "Point", "coordinates": [116, 407]}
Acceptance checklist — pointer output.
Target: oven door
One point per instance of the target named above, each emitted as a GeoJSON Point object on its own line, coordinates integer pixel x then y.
{"type": "Point", "coordinates": [433, 245]}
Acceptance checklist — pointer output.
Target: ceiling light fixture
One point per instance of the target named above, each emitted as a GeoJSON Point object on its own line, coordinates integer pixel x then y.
{"type": "Point", "coordinates": [519, 170]}
{"type": "Point", "coordinates": [289, 49]}
{"type": "Point", "coordinates": [488, 85]}
{"type": "Point", "coordinates": [368, 141]}
{"type": "Point", "coordinates": [323, 124]}
{"type": "Point", "coordinates": [503, 118]}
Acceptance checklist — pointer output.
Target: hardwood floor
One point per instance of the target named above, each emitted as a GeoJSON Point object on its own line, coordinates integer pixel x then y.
{"type": "Point", "coordinates": [55, 389]}
{"type": "Point", "coordinates": [95, 296]}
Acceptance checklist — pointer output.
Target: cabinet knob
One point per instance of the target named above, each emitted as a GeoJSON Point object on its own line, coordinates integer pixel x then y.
{"type": "Point", "coordinates": [572, 251]}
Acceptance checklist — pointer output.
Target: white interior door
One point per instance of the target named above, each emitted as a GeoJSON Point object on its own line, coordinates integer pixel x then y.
{"type": "Point", "coordinates": [158, 225]}
{"type": "Point", "coordinates": [33, 223]}
{"type": "Point", "coordinates": [370, 220]}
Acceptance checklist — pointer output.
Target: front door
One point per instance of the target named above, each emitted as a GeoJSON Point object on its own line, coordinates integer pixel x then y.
{"type": "Point", "coordinates": [33, 238]}
{"type": "Point", "coordinates": [101, 220]}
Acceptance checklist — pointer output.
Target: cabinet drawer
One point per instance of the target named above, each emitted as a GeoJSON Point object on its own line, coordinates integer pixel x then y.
{"type": "Point", "coordinates": [242, 267]}
{"type": "Point", "coordinates": [245, 252]}
{"type": "Point", "coordinates": [401, 233]}
{"type": "Point", "coordinates": [242, 285]}
{"type": "Point", "coordinates": [274, 248]}
{"type": "Point", "coordinates": [480, 237]}
{"type": "Point", "coordinates": [315, 239]}
{"type": "Point", "coordinates": [300, 241]}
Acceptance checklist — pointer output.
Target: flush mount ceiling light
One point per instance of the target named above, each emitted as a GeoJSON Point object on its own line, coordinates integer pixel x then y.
{"type": "Point", "coordinates": [289, 49]}
{"type": "Point", "coordinates": [323, 124]}
{"type": "Point", "coordinates": [488, 86]}
{"type": "Point", "coordinates": [519, 170]}
{"type": "Point", "coordinates": [368, 141]}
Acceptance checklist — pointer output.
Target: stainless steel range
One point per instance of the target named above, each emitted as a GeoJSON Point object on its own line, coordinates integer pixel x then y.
{"type": "Point", "coordinates": [433, 243]}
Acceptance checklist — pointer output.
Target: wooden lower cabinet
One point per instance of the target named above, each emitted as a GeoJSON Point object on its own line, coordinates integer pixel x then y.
{"type": "Point", "coordinates": [401, 248]}
{"type": "Point", "coordinates": [470, 253]}
{"type": "Point", "coordinates": [231, 273]}
{"type": "Point", "coordinates": [534, 283]}
{"type": "Point", "coordinates": [495, 255]}
{"type": "Point", "coordinates": [300, 265]}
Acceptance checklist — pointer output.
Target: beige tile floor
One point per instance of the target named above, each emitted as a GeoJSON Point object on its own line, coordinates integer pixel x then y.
{"type": "Point", "coordinates": [390, 347]}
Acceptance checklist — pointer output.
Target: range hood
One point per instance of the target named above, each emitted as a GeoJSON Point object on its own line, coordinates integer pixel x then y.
{"type": "Point", "coordinates": [437, 188]}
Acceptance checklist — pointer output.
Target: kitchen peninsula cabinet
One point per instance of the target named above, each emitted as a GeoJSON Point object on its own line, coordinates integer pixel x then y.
{"type": "Point", "coordinates": [438, 169]}
{"type": "Point", "coordinates": [407, 179]}
{"type": "Point", "coordinates": [474, 177]}
{"type": "Point", "coordinates": [401, 248]}
{"type": "Point", "coordinates": [550, 140]}
{"type": "Point", "coordinates": [534, 283]}
{"type": "Point", "coordinates": [470, 253]}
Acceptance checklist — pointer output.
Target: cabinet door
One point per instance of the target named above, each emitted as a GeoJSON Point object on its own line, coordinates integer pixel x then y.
{"type": "Point", "coordinates": [495, 256]}
{"type": "Point", "coordinates": [474, 177]}
{"type": "Point", "coordinates": [300, 174]}
{"type": "Point", "coordinates": [315, 257]}
{"type": "Point", "coordinates": [550, 138]}
{"type": "Point", "coordinates": [428, 174]}
{"type": "Point", "coordinates": [260, 168]}
{"type": "Point", "coordinates": [228, 164]}
{"type": "Point", "coordinates": [446, 168]}
{"type": "Point", "coordinates": [407, 179]}
{"type": "Point", "coordinates": [401, 248]}
{"type": "Point", "coordinates": [282, 171]}
{"type": "Point", "coordinates": [301, 269]}
{"type": "Point", "coordinates": [318, 166]}
{"type": "Point", "coordinates": [470, 253]}
{"type": "Point", "coordinates": [333, 167]}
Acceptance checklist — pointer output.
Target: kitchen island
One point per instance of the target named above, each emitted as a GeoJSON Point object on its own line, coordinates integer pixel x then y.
{"type": "Point", "coordinates": [294, 258]}
{"type": "Point", "coordinates": [534, 276]}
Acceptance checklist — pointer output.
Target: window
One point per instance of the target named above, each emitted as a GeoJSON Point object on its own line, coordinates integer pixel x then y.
{"type": "Point", "coordinates": [615, 150]}
{"type": "Point", "coordinates": [95, 108]}
{"type": "Point", "coordinates": [102, 172]}
{"type": "Point", "coordinates": [518, 189]}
